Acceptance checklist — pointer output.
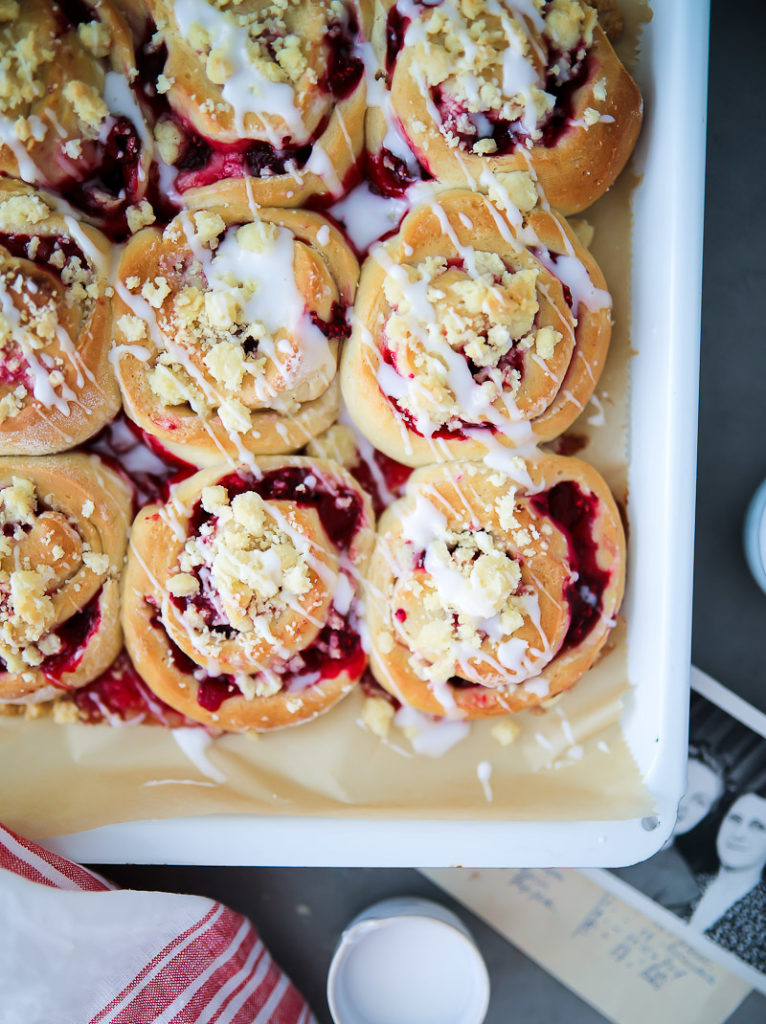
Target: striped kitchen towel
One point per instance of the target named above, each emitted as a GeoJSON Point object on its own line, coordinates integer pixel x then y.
{"type": "Point", "coordinates": [76, 950]}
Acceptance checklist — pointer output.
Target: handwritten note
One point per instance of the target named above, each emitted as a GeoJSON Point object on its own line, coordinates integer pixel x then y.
{"type": "Point", "coordinates": [613, 956]}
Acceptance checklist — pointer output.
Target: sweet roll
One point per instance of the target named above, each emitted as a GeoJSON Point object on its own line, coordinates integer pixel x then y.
{"type": "Point", "coordinates": [489, 592]}
{"type": "Point", "coordinates": [69, 119]}
{"type": "Point", "coordinates": [227, 327]}
{"type": "Point", "coordinates": [478, 89]}
{"type": "Point", "coordinates": [483, 324]}
{"type": "Point", "coordinates": [57, 387]}
{"type": "Point", "coordinates": [239, 597]}
{"type": "Point", "coordinates": [255, 98]}
{"type": "Point", "coordinates": [64, 531]}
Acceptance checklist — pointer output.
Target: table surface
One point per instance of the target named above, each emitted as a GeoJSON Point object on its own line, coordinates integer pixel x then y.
{"type": "Point", "coordinates": [301, 912]}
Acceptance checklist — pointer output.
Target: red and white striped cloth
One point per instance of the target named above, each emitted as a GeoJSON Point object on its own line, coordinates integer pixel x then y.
{"type": "Point", "coordinates": [76, 950]}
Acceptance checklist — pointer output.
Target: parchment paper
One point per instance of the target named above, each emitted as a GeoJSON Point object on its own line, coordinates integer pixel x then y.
{"type": "Point", "coordinates": [570, 762]}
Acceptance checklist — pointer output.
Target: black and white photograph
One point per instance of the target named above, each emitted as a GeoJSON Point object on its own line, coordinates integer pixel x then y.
{"type": "Point", "coordinates": [707, 882]}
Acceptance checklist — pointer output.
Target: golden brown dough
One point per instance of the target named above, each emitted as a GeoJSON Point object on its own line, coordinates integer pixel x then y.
{"type": "Point", "coordinates": [478, 90]}
{"type": "Point", "coordinates": [227, 326]}
{"type": "Point", "coordinates": [64, 532]}
{"type": "Point", "coordinates": [239, 596]}
{"type": "Point", "coordinates": [489, 592]}
{"type": "Point", "coordinates": [57, 387]}
{"type": "Point", "coordinates": [483, 324]}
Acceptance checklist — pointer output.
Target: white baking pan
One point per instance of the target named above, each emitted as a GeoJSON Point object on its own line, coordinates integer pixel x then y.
{"type": "Point", "coordinates": [667, 266]}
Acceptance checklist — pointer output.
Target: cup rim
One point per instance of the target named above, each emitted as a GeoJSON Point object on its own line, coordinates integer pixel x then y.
{"type": "Point", "coordinates": [368, 918]}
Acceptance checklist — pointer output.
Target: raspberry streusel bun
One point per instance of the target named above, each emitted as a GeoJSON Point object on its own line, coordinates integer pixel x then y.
{"type": "Point", "coordinates": [489, 592]}
{"type": "Point", "coordinates": [239, 598]}
{"type": "Point", "coordinates": [482, 324]}
{"type": "Point", "coordinates": [57, 387]}
{"type": "Point", "coordinates": [477, 89]}
{"type": "Point", "coordinates": [257, 99]}
{"type": "Point", "coordinates": [227, 327]}
{"type": "Point", "coordinates": [69, 119]}
{"type": "Point", "coordinates": [64, 532]}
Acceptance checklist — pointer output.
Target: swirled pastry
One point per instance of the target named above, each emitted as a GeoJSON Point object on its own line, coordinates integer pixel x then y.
{"type": "Point", "coordinates": [479, 325]}
{"type": "Point", "coordinates": [56, 385]}
{"type": "Point", "coordinates": [489, 592]}
{"type": "Point", "coordinates": [259, 99]}
{"type": "Point", "coordinates": [227, 326]}
{"type": "Point", "coordinates": [64, 527]}
{"type": "Point", "coordinates": [477, 89]}
{"type": "Point", "coordinates": [68, 117]}
{"type": "Point", "coordinates": [239, 597]}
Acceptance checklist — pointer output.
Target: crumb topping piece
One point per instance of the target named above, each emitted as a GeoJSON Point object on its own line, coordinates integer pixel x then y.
{"type": "Point", "coordinates": [452, 330]}
{"type": "Point", "coordinates": [338, 442]}
{"type": "Point", "coordinates": [466, 593]}
{"type": "Point", "coordinates": [251, 568]}
{"type": "Point", "coordinates": [377, 715]}
{"type": "Point", "coordinates": [483, 65]}
{"type": "Point", "coordinates": [235, 328]}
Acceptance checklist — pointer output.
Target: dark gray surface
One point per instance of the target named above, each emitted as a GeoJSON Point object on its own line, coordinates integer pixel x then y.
{"type": "Point", "coordinates": [301, 912]}
{"type": "Point", "coordinates": [729, 638]}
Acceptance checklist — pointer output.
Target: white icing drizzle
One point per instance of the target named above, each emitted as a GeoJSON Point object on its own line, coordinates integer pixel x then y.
{"type": "Point", "coordinates": [179, 782]}
{"type": "Point", "coordinates": [430, 736]}
{"type": "Point", "coordinates": [573, 273]}
{"type": "Point", "coordinates": [121, 101]}
{"type": "Point", "coordinates": [247, 90]}
{"type": "Point", "coordinates": [366, 216]}
{"type": "Point", "coordinates": [28, 169]}
{"type": "Point", "coordinates": [194, 742]}
{"type": "Point", "coordinates": [598, 419]}
{"type": "Point", "coordinates": [484, 773]}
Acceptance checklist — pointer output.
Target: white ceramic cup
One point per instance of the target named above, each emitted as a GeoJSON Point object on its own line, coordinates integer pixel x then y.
{"type": "Point", "coordinates": [755, 536]}
{"type": "Point", "coordinates": [407, 961]}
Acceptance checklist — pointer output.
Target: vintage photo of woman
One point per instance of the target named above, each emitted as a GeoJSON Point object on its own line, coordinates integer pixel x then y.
{"type": "Point", "coordinates": [710, 872]}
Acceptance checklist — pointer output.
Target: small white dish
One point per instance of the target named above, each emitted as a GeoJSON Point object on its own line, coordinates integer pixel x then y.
{"type": "Point", "coordinates": [407, 961]}
{"type": "Point", "coordinates": [755, 536]}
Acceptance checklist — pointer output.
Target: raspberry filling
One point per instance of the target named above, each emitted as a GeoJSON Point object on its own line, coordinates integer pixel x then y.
{"type": "Point", "coordinates": [394, 476]}
{"type": "Point", "coordinates": [389, 175]}
{"type": "Point", "coordinates": [111, 182]}
{"type": "Point", "coordinates": [121, 693]}
{"type": "Point", "coordinates": [337, 647]}
{"type": "Point", "coordinates": [344, 70]}
{"type": "Point", "coordinates": [43, 248]}
{"type": "Point", "coordinates": [575, 512]}
{"type": "Point", "coordinates": [204, 161]}
{"type": "Point", "coordinates": [75, 634]}
{"type": "Point", "coordinates": [337, 328]}
{"type": "Point", "coordinates": [396, 27]}
{"type": "Point", "coordinates": [72, 13]}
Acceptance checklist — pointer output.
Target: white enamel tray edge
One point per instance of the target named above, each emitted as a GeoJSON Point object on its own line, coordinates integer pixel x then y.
{"type": "Point", "coordinates": [668, 214]}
